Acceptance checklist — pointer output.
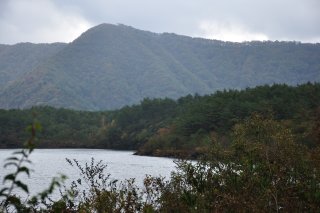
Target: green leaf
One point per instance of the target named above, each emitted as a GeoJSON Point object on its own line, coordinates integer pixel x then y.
{"type": "Point", "coordinates": [63, 177]}
{"type": "Point", "coordinates": [9, 177]}
{"type": "Point", "coordinates": [12, 158]}
{"type": "Point", "coordinates": [44, 194]}
{"type": "Point", "coordinates": [21, 153]}
{"type": "Point", "coordinates": [3, 190]}
{"type": "Point", "coordinates": [27, 161]}
{"type": "Point", "coordinates": [21, 185]}
{"type": "Point", "coordinates": [24, 169]}
{"type": "Point", "coordinates": [14, 200]}
{"type": "Point", "coordinates": [29, 128]}
{"type": "Point", "coordinates": [10, 164]}
{"type": "Point", "coordinates": [37, 126]}
{"type": "Point", "coordinates": [18, 152]}
{"type": "Point", "coordinates": [33, 201]}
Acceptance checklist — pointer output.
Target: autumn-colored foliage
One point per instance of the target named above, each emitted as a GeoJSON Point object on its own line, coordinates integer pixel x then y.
{"type": "Point", "coordinates": [264, 169]}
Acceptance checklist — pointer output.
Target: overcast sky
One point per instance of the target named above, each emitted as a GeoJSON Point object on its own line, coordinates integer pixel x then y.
{"type": "Point", "coordinates": [45, 21]}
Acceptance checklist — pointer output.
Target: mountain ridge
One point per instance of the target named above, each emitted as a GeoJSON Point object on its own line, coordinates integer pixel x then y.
{"type": "Point", "coordinates": [110, 66]}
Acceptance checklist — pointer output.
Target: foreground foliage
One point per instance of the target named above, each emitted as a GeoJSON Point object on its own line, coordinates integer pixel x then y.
{"type": "Point", "coordinates": [263, 170]}
{"type": "Point", "coordinates": [9, 201]}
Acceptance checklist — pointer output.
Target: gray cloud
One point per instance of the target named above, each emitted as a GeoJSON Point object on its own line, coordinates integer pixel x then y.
{"type": "Point", "coordinates": [226, 20]}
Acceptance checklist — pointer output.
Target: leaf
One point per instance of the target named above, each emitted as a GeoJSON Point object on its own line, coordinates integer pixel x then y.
{"type": "Point", "coordinates": [22, 152]}
{"type": "Point", "coordinates": [28, 161]}
{"type": "Point", "coordinates": [63, 177]}
{"type": "Point", "coordinates": [14, 200]}
{"type": "Point", "coordinates": [3, 190]}
{"type": "Point", "coordinates": [33, 201]}
{"type": "Point", "coordinates": [18, 152]}
{"type": "Point", "coordinates": [37, 126]}
{"type": "Point", "coordinates": [10, 164]}
{"type": "Point", "coordinates": [9, 177]}
{"type": "Point", "coordinates": [29, 128]}
{"type": "Point", "coordinates": [24, 169]}
{"type": "Point", "coordinates": [79, 181]}
{"type": "Point", "coordinates": [22, 186]}
{"type": "Point", "coordinates": [44, 194]}
{"type": "Point", "coordinates": [12, 158]}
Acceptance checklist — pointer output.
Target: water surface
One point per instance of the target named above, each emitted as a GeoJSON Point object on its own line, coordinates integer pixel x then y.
{"type": "Point", "coordinates": [48, 163]}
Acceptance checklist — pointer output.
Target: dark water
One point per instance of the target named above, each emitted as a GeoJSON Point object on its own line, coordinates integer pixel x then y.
{"type": "Point", "coordinates": [48, 163]}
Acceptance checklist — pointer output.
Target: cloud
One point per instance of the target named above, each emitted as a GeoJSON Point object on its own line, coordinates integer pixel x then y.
{"type": "Point", "coordinates": [228, 32]}
{"type": "Point", "coordinates": [260, 20]}
{"type": "Point", "coordinates": [61, 20]}
{"type": "Point", "coordinates": [39, 21]}
{"type": "Point", "coordinates": [232, 19]}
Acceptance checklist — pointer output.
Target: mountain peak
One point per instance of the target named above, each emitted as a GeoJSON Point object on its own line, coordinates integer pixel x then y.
{"type": "Point", "coordinates": [110, 66]}
{"type": "Point", "coordinates": [104, 27]}
{"type": "Point", "coordinates": [104, 31]}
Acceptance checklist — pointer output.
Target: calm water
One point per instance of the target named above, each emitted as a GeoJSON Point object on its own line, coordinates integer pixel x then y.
{"type": "Point", "coordinates": [48, 163]}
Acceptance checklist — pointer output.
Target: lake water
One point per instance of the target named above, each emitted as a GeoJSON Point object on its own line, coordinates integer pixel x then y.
{"type": "Point", "coordinates": [48, 163]}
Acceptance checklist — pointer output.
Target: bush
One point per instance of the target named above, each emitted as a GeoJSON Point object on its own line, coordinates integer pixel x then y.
{"type": "Point", "coordinates": [263, 170]}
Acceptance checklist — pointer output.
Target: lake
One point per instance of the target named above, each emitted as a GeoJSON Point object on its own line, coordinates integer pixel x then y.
{"type": "Point", "coordinates": [48, 163]}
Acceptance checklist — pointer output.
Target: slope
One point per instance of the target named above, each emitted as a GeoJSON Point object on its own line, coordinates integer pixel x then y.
{"type": "Point", "coordinates": [16, 60]}
{"type": "Point", "coordinates": [111, 66]}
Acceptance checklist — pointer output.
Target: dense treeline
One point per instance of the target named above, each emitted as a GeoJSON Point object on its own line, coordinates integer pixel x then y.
{"type": "Point", "coordinates": [165, 127]}
{"type": "Point", "coordinates": [61, 127]}
{"type": "Point", "coordinates": [203, 117]}
{"type": "Point", "coordinates": [168, 127]}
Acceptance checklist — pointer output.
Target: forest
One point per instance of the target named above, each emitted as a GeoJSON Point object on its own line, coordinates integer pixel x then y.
{"type": "Point", "coordinates": [258, 150]}
{"type": "Point", "coordinates": [166, 127]}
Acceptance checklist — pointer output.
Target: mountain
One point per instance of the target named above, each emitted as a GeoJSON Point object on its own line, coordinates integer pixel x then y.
{"type": "Point", "coordinates": [16, 60]}
{"type": "Point", "coordinates": [110, 66]}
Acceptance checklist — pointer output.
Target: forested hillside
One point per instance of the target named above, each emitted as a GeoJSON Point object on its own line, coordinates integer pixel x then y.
{"type": "Point", "coordinates": [111, 66]}
{"type": "Point", "coordinates": [16, 61]}
{"type": "Point", "coordinates": [166, 127]}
